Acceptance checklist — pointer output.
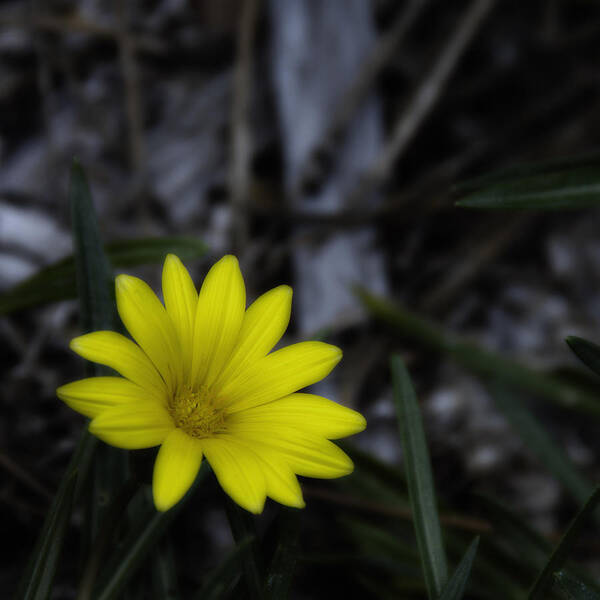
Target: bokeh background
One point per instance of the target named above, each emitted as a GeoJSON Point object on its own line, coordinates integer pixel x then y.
{"type": "Point", "coordinates": [323, 143]}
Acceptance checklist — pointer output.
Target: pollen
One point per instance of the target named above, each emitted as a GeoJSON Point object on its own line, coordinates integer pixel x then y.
{"type": "Point", "coordinates": [196, 412]}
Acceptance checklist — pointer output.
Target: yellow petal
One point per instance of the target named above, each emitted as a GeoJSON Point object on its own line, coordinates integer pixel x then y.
{"type": "Point", "coordinates": [219, 316]}
{"type": "Point", "coordinates": [91, 396]}
{"type": "Point", "coordinates": [282, 485]}
{"type": "Point", "coordinates": [280, 481]}
{"type": "Point", "coordinates": [148, 323]}
{"type": "Point", "coordinates": [237, 470]}
{"type": "Point", "coordinates": [175, 469]}
{"type": "Point", "coordinates": [121, 354]}
{"type": "Point", "coordinates": [181, 299]}
{"type": "Point", "coordinates": [313, 414]}
{"type": "Point", "coordinates": [306, 454]}
{"type": "Point", "coordinates": [264, 323]}
{"type": "Point", "coordinates": [134, 425]}
{"type": "Point", "coordinates": [279, 374]}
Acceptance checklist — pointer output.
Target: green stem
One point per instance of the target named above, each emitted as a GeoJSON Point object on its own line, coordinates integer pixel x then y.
{"type": "Point", "coordinates": [114, 514]}
{"type": "Point", "coordinates": [242, 527]}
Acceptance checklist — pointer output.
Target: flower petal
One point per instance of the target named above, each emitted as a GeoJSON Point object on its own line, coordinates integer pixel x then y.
{"type": "Point", "coordinates": [237, 470]}
{"type": "Point", "coordinates": [134, 425]}
{"type": "Point", "coordinates": [148, 323]}
{"type": "Point", "coordinates": [264, 323]}
{"type": "Point", "coordinates": [219, 316]}
{"type": "Point", "coordinates": [93, 395]}
{"type": "Point", "coordinates": [310, 413]}
{"type": "Point", "coordinates": [279, 374]}
{"type": "Point", "coordinates": [181, 300]}
{"type": "Point", "coordinates": [175, 469]}
{"type": "Point", "coordinates": [121, 354]}
{"type": "Point", "coordinates": [305, 453]}
{"type": "Point", "coordinates": [282, 484]}
{"type": "Point", "coordinates": [280, 481]}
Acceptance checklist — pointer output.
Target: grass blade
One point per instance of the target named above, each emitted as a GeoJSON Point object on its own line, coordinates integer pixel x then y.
{"type": "Point", "coordinates": [457, 584]}
{"type": "Point", "coordinates": [480, 361]}
{"type": "Point", "coordinates": [513, 172]}
{"type": "Point", "coordinates": [573, 589]}
{"type": "Point", "coordinates": [559, 556]}
{"type": "Point", "coordinates": [139, 544]}
{"type": "Point", "coordinates": [164, 573]}
{"type": "Point", "coordinates": [57, 281]}
{"type": "Point", "coordinates": [563, 189]}
{"type": "Point", "coordinates": [243, 527]}
{"type": "Point", "coordinates": [281, 570]}
{"type": "Point", "coordinates": [37, 582]}
{"type": "Point", "coordinates": [587, 352]}
{"type": "Point", "coordinates": [420, 481]}
{"type": "Point", "coordinates": [540, 443]}
{"type": "Point", "coordinates": [93, 272]}
{"type": "Point", "coordinates": [95, 285]}
{"type": "Point", "coordinates": [225, 575]}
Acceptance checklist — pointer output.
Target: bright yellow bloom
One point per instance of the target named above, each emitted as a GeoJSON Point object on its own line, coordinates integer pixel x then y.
{"type": "Point", "coordinates": [202, 381]}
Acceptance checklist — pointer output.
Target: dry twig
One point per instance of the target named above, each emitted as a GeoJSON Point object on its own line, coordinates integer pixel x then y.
{"type": "Point", "coordinates": [241, 136]}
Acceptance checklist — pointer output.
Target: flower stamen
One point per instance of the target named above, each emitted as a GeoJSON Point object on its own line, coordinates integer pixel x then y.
{"type": "Point", "coordinates": [196, 412]}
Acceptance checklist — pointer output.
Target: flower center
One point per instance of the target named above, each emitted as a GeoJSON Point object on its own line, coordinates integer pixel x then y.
{"type": "Point", "coordinates": [195, 411]}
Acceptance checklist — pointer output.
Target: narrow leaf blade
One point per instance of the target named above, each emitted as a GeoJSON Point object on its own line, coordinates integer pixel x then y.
{"type": "Point", "coordinates": [139, 545]}
{"type": "Point", "coordinates": [57, 281]}
{"type": "Point", "coordinates": [477, 359]}
{"type": "Point", "coordinates": [222, 578]}
{"type": "Point", "coordinates": [563, 189]}
{"type": "Point", "coordinates": [540, 443]}
{"type": "Point", "coordinates": [94, 274]}
{"type": "Point", "coordinates": [572, 588]}
{"type": "Point", "coordinates": [281, 569]}
{"type": "Point", "coordinates": [243, 527]}
{"type": "Point", "coordinates": [559, 556]}
{"type": "Point", "coordinates": [420, 480]}
{"type": "Point", "coordinates": [587, 352]}
{"type": "Point", "coordinates": [38, 578]}
{"type": "Point", "coordinates": [457, 584]}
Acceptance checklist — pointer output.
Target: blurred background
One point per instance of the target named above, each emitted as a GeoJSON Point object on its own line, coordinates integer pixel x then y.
{"type": "Point", "coordinates": [324, 143]}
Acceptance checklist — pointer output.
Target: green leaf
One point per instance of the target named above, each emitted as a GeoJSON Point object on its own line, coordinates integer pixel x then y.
{"type": "Point", "coordinates": [563, 189]}
{"type": "Point", "coordinates": [93, 271]}
{"type": "Point", "coordinates": [587, 352]}
{"type": "Point", "coordinates": [532, 546]}
{"type": "Point", "coordinates": [479, 360]}
{"type": "Point", "coordinates": [560, 554]}
{"type": "Point", "coordinates": [130, 253]}
{"type": "Point", "coordinates": [420, 481]}
{"type": "Point", "coordinates": [457, 584]}
{"type": "Point", "coordinates": [225, 575]}
{"type": "Point", "coordinates": [572, 588]}
{"type": "Point", "coordinates": [139, 543]}
{"type": "Point", "coordinates": [95, 285]}
{"type": "Point", "coordinates": [37, 580]}
{"type": "Point", "coordinates": [243, 527]}
{"type": "Point", "coordinates": [164, 573]}
{"type": "Point", "coordinates": [281, 570]}
{"type": "Point", "coordinates": [514, 172]}
{"type": "Point", "coordinates": [540, 443]}
{"type": "Point", "coordinates": [57, 281]}
{"type": "Point", "coordinates": [104, 537]}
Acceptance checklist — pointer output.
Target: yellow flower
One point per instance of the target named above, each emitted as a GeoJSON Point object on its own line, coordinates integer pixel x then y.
{"type": "Point", "coordinates": [202, 381]}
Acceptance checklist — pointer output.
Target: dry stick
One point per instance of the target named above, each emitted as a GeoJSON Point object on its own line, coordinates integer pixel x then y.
{"type": "Point", "coordinates": [76, 24]}
{"type": "Point", "coordinates": [472, 264]}
{"type": "Point", "coordinates": [451, 520]}
{"type": "Point", "coordinates": [132, 90]}
{"type": "Point", "coordinates": [241, 137]}
{"type": "Point", "coordinates": [426, 96]}
{"type": "Point", "coordinates": [355, 95]}
{"type": "Point", "coordinates": [24, 477]}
